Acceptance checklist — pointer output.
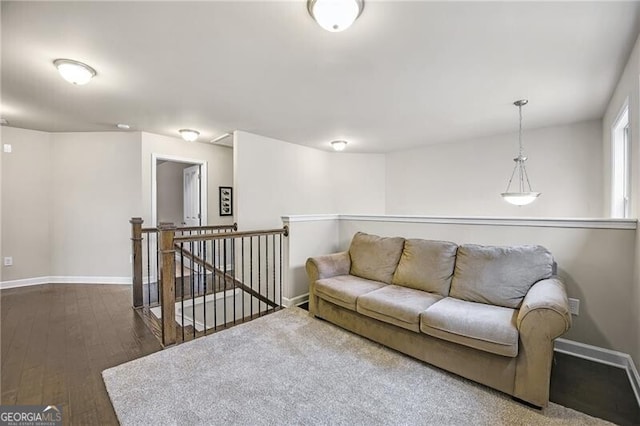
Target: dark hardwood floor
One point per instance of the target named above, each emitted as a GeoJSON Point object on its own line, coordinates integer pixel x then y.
{"type": "Point", "coordinates": [597, 389]}
{"type": "Point", "coordinates": [57, 339]}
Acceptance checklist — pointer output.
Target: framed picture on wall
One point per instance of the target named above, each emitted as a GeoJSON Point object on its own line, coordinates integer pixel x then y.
{"type": "Point", "coordinates": [226, 200]}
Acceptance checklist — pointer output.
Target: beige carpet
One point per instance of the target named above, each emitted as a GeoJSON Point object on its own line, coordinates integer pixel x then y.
{"type": "Point", "coordinates": [288, 368]}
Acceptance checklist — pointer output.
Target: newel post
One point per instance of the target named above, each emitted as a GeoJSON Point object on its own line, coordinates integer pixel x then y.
{"type": "Point", "coordinates": [167, 283]}
{"type": "Point", "coordinates": [136, 252]}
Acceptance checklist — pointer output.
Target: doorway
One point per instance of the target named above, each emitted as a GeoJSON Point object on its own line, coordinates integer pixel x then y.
{"type": "Point", "coordinates": [178, 190]}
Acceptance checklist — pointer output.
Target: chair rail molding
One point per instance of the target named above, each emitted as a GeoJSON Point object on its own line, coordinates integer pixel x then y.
{"type": "Point", "coordinates": [594, 223]}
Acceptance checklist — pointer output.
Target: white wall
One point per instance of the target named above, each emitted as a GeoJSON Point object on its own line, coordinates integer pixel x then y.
{"type": "Point", "coordinates": [466, 178]}
{"type": "Point", "coordinates": [219, 164]}
{"type": "Point", "coordinates": [96, 190]}
{"type": "Point", "coordinates": [26, 203]}
{"type": "Point", "coordinates": [628, 88]}
{"type": "Point", "coordinates": [68, 198]}
{"type": "Point", "coordinates": [358, 182]}
{"type": "Point", "coordinates": [273, 178]}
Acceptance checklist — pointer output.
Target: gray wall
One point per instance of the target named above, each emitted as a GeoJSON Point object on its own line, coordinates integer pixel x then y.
{"type": "Point", "coordinates": [95, 186]}
{"type": "Point", "coordinates": [26, 203]}
{"type": "Point", "coordinates": [466, 178]}
{"type": "Point", "coordinates": [171, 192]}
{"type": "Point", "coordinates": [67, 199]}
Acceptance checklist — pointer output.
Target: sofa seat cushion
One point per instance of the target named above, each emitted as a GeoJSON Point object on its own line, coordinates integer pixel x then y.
{"type": "Point", "coordinates": [375, 258]}
{"type": "Point", "coordinates": [485, 327]}
{"type": "Point", "coordinates": [396, 305]}
{"type": "Point", "coordinates": [499, 275]}
{"type": "Point", "coordinates": [344, 290]}
{"type": "Point", "coordinates": [426, 265]}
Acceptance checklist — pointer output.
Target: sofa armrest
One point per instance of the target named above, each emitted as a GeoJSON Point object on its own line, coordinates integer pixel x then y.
{"type": "Point", "coordinates": [328, 266]}
{"type": "Point", "coordinates": [544, 316]}
{"type": "Point", "coordinates": [547, 298]}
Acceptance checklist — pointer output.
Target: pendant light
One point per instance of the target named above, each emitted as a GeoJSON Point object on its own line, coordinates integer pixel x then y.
{"type": "Point", "coordinates": [524, 194]}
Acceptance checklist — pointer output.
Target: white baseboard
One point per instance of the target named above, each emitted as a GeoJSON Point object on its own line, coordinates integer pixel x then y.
{"type": "Point", "coordinates": [295, 301]}
{"type": "Point", "coordinates": [64, 280]}
{"type": "Point", "coordinates": [603, 356]}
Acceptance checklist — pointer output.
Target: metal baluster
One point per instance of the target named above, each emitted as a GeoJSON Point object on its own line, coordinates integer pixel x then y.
{"type": "Point", "coordinates": [280, 239]}
{"type": "Point", "coordinates": [266, 268]}
{"type": "Point", "coordinates": [233, 277]}
{"type": "Point", "coordinates": [182, 285]}
{"type": "Point", "coordinates": [251, 272]}
{"type": "Point", "coordinates": [242, 276]}
{"type": "Point", "coordinates": [204, 295]}
{"type": "Point", "coordinates": [224, 277]}
{"type": "Point", "coordinates": [259, 277]}
{"type": "Point", "coordinates": [273, 250]}
{"type": "Point", "coordinates": [215, 291]}
{"type": "Point", "coordinates": [157, 234]}
{"type": "Point", "coordinates": [148, 269]}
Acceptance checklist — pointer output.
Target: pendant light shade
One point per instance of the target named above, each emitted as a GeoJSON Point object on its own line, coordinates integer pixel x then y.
{"type": "Point", "coordinates": [522, 194]}
{"type": "Point", "coordinates": [335, 15]}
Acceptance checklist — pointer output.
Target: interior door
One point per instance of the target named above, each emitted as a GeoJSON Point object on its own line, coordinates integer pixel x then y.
{"type": "Point", "coordinates": [192, 217]}
{"type": "Point", "coordinates": [191, 181]}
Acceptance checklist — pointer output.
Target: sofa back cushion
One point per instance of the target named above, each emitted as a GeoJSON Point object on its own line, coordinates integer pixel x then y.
{"type": "Point", "coordinates": [375, 258]}
{"type": "Point", "coordinates": [499, 276]}
{"type": "Point", "coordinates": [426, 265]}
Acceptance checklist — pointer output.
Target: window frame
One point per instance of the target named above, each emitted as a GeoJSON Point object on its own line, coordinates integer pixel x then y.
{"type": "Point", "coordinates": [621, 164]}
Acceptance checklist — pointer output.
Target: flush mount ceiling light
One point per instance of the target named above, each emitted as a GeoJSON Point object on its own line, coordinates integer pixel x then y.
{"type": "Point", "coordinates": [123, 126]}
{"type": "Point", "coordinates": [524, 194]}
{"type": "Point", "coordinates": [189, 135]}
{"type": "Point", "coordinates": [74, 72]}
{"type": "Point", "coordinates": [339, 145]}
{"type": "Point", "coordinates": [335, 15]}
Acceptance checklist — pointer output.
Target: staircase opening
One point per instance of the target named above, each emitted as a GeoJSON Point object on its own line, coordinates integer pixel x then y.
{"type": "Point", "coordinates": [206, 278]}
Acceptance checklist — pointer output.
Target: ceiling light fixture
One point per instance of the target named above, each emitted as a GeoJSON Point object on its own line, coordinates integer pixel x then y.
{"type": "Point", "coordinates": [189, 135]}
{"type": "Point", "coordinates": [339, 145]}
{"type": "Point", "coordinates": [335, 15]}
{"type": "Point", "coordinates": [123, 126]}
{"type": "Point", "coordinates": [524, 195]}
{"type": "Point", "coordinates": [74, 72]}
{"type": "Point", "coordinates": [3, 121]}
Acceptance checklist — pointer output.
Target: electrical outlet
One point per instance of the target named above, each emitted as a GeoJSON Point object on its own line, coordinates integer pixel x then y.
{"type": "Point", "coordinates": [574, 306]}
{"type": "Point", "coordinates": [8, 261]}
{"type": "Point", "coordinates": [7, 148]}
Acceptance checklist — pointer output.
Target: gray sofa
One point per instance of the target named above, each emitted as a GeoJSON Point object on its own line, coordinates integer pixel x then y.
{"type": "Point", "coordinates": [487, 313]}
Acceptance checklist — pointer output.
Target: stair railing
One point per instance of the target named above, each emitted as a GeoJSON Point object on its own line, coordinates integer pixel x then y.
{"type": "Point", "coordinates": [205, 279]}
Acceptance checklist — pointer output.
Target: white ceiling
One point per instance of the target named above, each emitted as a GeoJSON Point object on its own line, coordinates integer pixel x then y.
{"type": "Point", "coordinates": [404, 75]}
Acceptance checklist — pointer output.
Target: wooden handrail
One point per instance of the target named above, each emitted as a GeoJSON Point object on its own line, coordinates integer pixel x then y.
{"type": "Point", "coordinates": [196, 228]}
{"type": "Point", "coordinates": [205, 237]}
{"type": "Point", "coordinates": [208, 266]}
